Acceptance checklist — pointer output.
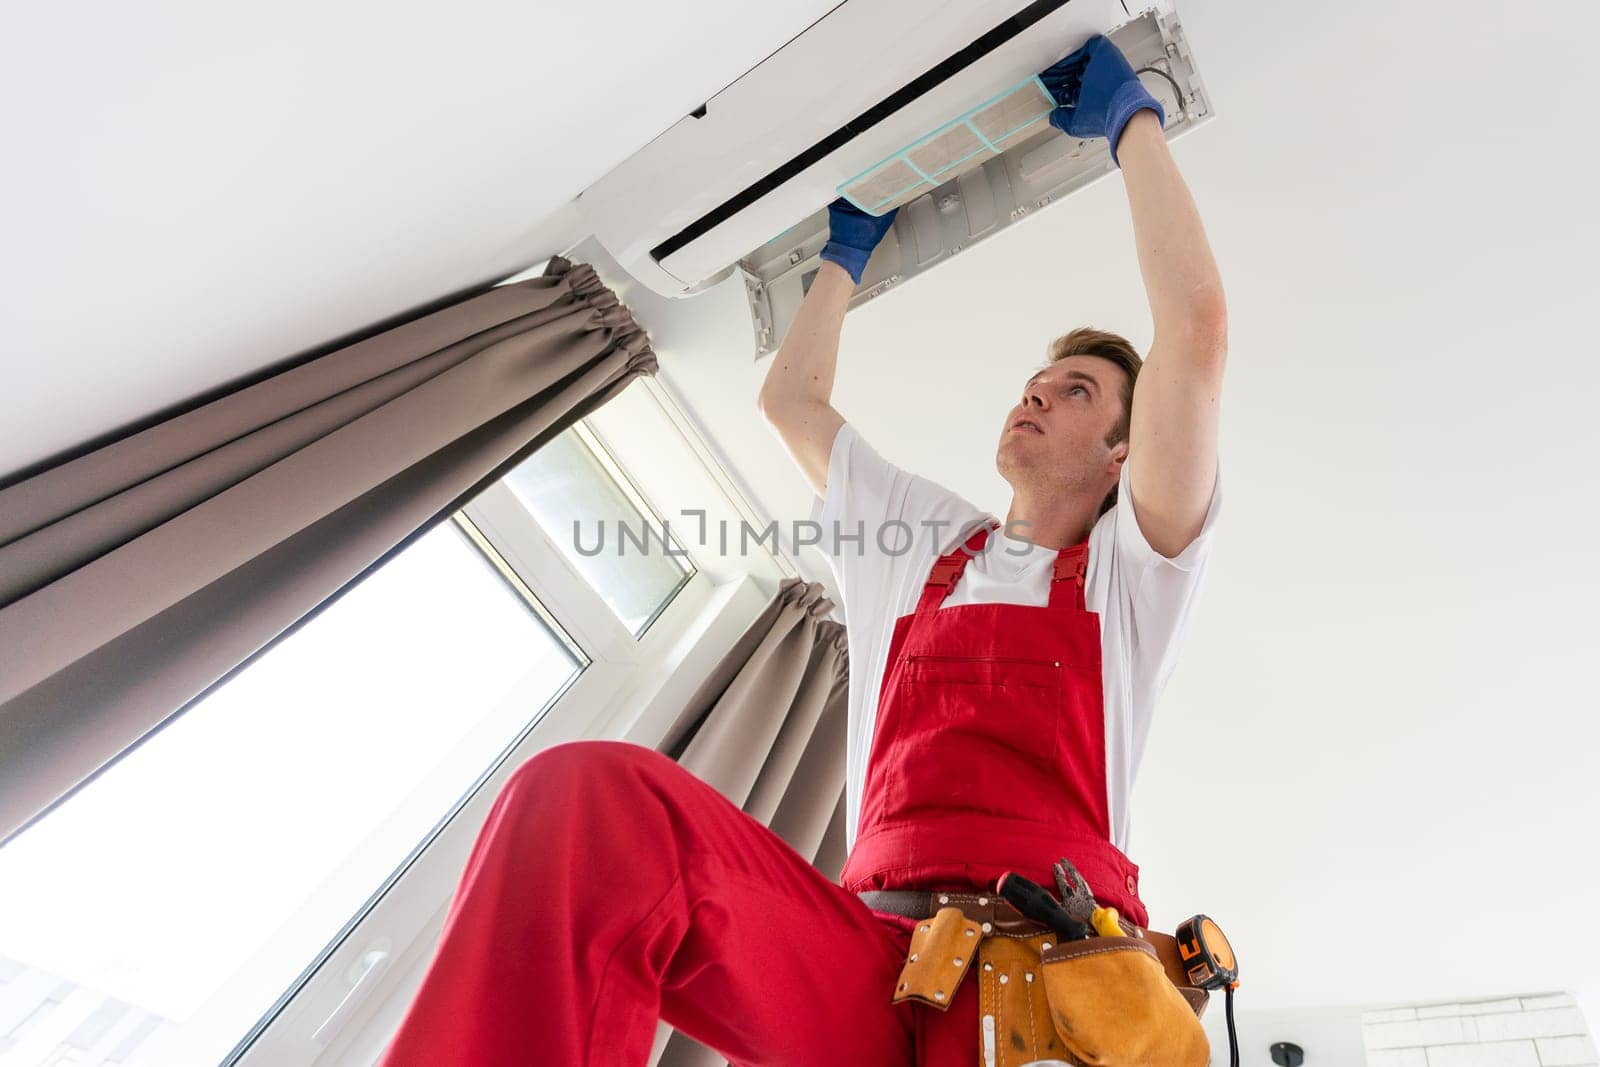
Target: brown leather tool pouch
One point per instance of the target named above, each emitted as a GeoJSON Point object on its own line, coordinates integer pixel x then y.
{"type": "Point", "coordinates": [941, 953]}
{"type": "Point", "coordinates": [1013, 1011]}
{"type": "Point", "coordinates": [1113, 1005]}
{"type": "Point", "coordinates": [1171, 960]}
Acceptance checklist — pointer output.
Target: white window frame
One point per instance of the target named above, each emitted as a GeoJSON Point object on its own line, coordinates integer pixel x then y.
{"type": "Point", "coordinates": [347, 1004]}
{"type": "Point", "coordinates": [541, 563]}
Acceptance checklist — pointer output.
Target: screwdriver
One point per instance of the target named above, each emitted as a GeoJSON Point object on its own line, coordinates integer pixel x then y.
{"type": "Point", "coordinates": [1035, 902]}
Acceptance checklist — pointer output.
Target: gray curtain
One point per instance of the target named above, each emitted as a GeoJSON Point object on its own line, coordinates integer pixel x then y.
{"type": "Point", "coordinates": [767, 729]}
{"type": "Point", "coordinates": [135, 576]}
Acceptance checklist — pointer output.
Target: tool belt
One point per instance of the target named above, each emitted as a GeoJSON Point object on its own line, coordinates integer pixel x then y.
{"type": "Point", "coordinates": [1103, 1001]}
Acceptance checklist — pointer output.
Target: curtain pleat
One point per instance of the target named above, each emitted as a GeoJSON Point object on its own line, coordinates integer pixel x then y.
{"type": "Point", "coordinates": [767, 728]}
{"type": "Point", "coordinates": [134, 577]}
{"type": "Point", "coordinates": [831, 854]}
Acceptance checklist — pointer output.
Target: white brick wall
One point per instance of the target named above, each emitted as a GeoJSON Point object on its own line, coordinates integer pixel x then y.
{"type": "Point", "coordinates": [1533, 1031]}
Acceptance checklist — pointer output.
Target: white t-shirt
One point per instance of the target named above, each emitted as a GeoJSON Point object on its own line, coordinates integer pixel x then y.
{"type": "Point", "coordinates": [906, 521]}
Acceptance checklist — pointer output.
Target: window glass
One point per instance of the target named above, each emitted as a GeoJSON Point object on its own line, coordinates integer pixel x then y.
{"type": "Point", "coordinates": [587, 507]}
{"type": "Point", "coordinates": [164, 908]}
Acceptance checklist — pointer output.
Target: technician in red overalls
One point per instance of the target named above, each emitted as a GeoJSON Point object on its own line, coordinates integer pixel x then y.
{"type": "Point", "coordinates": [609, 887]}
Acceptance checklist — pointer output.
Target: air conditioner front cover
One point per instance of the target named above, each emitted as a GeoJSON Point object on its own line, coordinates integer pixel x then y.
{"type": "Point", "coordinates": [862, 83]}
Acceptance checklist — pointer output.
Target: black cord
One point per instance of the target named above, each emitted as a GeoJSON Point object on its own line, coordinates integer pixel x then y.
{"type": "Point", "coordinates": [1233, 1037]}
{"type": "Point", "coordinates": [1182, 104]}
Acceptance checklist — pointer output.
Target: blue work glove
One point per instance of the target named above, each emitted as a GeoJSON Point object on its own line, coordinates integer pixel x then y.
{"type": "Point", "coordinates": [852, 235]}
{"type": "Point", "coordinates": [1097, 93]}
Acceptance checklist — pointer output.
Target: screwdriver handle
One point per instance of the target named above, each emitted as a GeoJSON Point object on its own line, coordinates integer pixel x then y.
{"type": "Point", "coordinates": [1033, 901]}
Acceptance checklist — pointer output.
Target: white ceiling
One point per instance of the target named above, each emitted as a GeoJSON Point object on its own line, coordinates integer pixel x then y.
{"type": "Point", "coordinates": [1391, 678]}
{"type": "Point", "coordinates": [195, 191]}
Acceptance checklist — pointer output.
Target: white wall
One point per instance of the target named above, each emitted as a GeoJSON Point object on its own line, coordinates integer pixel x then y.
{"type": "Point", "coordinates": [1331, 1037]}
{"type": "Point", "coordinates": [1544, 1030]}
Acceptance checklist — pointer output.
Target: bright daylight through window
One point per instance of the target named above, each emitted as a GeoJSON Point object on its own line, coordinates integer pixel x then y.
{"type": "Point", "coordinates": [187, 888]}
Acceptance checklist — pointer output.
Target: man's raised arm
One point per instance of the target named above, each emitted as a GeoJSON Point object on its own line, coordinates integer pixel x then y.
{"type": "Point", "coordinates": [1172, 442]}
{"type": "Point", "coordinates": [796, 397]}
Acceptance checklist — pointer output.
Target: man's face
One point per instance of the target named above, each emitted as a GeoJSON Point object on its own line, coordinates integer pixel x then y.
{"type": "Point", "coordinates": [1075, 403]}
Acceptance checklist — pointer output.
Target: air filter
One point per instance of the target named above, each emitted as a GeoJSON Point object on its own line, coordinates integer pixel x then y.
{"type": "Point", "coordinates": [951, 150]}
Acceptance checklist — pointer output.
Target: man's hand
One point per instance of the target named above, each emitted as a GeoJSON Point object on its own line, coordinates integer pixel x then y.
{"type": "Point", "coordinates": [1097, 93]}
{"type": "Point", "coordinates": [852, 235]}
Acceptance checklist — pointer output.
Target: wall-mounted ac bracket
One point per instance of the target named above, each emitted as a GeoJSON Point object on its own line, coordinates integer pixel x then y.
{"type": "Point", "coordinates": [976, 205]}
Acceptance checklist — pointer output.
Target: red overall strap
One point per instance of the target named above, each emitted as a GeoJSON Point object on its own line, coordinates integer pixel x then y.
{"type": "Point", "coordinates": [946, 571]}
{"type": "Point", "coordinates": [1072, 564]}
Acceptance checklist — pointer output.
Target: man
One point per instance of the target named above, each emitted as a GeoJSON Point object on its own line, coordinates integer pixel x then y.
{"type": "Point", "coordinates": [1080, 439]}
{"type": "Point", "coordinates": [997, 707]}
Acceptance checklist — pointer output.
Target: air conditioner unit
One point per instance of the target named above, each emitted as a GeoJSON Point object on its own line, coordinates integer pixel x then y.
{"type": "Point", "coordinates": [934, 108]}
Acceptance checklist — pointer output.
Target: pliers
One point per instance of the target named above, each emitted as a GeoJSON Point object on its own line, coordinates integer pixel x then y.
{"type": "Point", "coordinates": [1078, 901]}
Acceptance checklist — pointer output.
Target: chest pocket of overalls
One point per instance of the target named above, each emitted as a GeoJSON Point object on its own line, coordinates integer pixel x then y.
{"type": "Point", "coordinates": [978, 722]}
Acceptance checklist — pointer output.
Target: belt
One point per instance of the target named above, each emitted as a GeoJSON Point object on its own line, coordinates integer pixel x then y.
{"type": "Point", "coordinates": [998, 918]}
{"type": "Point", "coordinates": [995, 914]}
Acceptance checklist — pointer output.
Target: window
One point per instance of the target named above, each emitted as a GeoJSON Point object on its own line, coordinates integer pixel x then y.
{"type": "Point", "coordinates": [198, 875]}
{"type": "Point", "coordinates": [596, 518]}
{"type": "Point", "coordinates": [313, 811]}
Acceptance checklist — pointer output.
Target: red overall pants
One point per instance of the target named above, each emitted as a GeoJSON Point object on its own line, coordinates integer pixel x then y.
{"type": "Point", "coordinates": [609, 887]}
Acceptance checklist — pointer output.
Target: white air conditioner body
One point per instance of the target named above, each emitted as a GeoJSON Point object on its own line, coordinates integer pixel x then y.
{"type": "Point", "coordinates": [744, 182]}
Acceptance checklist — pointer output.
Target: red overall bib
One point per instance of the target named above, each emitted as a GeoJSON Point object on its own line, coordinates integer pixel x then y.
{"type": "Point", "coordinates": [609, 887]}
{"type": "Point", "coordinates": [989, 752]}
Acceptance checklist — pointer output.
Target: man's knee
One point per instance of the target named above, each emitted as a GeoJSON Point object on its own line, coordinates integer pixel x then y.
{"type": "Point", "coordinates": [569, 771]}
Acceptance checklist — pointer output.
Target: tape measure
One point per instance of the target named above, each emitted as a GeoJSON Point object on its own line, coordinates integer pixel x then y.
{"type": "Point", "coordinates": [1207, 957]}
{"type": "Point", "coordinates": [1209, 963]}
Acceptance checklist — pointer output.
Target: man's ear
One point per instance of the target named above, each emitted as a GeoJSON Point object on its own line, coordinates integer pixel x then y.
{"type": "Point", "coordinates": [1117, 456]}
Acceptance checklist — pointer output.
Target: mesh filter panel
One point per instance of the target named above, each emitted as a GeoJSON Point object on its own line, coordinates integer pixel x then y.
{"type": "Point", "coordinates": [1025, 104]}
{"type": "Point", "coordinates": [874, 190]}
{"type": "Point", "coordinates": [944, 150]}
{"type": "Point", "coordinates": [952, 149]}
{"type": "Point", "coordinates": [1040, 123]}
{"type": "Point", "coordinates": [906, 197]}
